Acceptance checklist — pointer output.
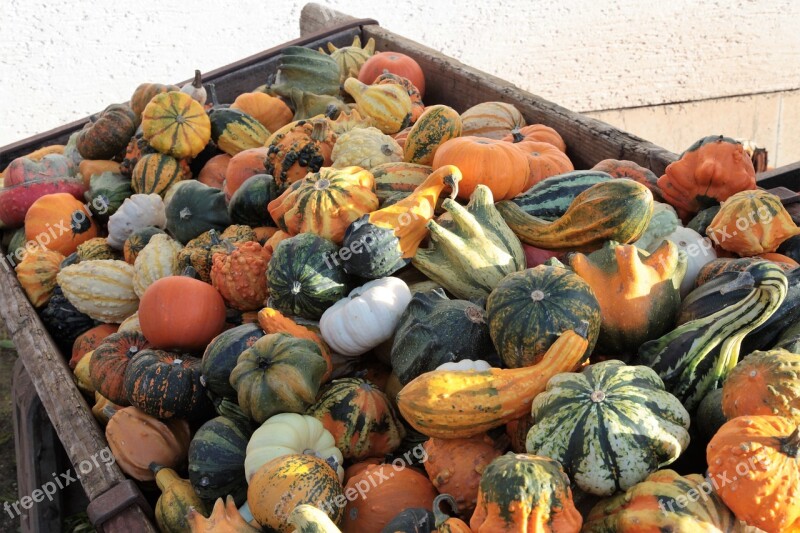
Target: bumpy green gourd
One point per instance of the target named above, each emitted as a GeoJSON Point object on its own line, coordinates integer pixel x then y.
{"type": "Point", "coordinates": [472, 249]}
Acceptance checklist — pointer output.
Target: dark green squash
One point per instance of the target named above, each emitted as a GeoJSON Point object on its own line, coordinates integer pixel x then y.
{"type": "Point", "coordinates": [166, 385]}
{"type": "Point", "coordinates": [550, 198]}
{"type": "Point", "coordinates": [248, 205]}
{"type": "Point", "coordinates": [791, 248]}
{"type": "Point", "coordinates": [789, 338]}
{"type": "Point", "coordinates": [195, 208]}
{"type": "Point", "coordinates": [413, 520]}
{"type": "Point", "coordinates": [435, 330]}
{"type": "Point", "coordinates": [220, 358]}
{"type": "Point", "coordinates": [703, 219]}
{"type": "Point", "coordinates": [216, 459]}
{"type": "Point", "coordinates": [687, 359]}
{"type": "Point", "coordinates": [709, 415]}
{"type": "Point", "coordinates": [234, 131]}
{"type": "Point", "coordinates": [380, 256]}
{"type": "Point", "coordinates": [529, 310]}
{"type": "Point", "coordinates": [305, 277]}
{"type": "Point", "coordinates": [306, 70]}
{"type": "Point", "coordinates": [106, 193]}
{"type": "Point", "coordinates": [63, 322]}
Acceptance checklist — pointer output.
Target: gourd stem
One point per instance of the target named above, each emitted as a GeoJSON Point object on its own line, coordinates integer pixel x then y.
{"type": "Point", "coordinates": [214, 236]}
{"type": "Point", "coordinates": [517, 135]}
{"type": "Point", "coordinates": [190, 272]}
{"type": "Point", "coordinates": [319, 130]}
{"type": "Point", "coordinates": [791, 446]}
{"type": "Point", "coordinates": [197, 83]}
{"type": "Point", "coordinates": [440, 517]}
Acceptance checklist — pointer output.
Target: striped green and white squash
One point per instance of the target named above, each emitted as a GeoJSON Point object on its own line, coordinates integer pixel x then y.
{"type": "Point", "coordinates": [158, 259]}
{"type": "Point", "coordinates": [102, 289]}
{"type": "Point", "coordinates": [234, 131]}
{"type": "Point", "coordinates": [529, 309]}
{"type": "Point", "coordinates": [155, 173]}
{"type": "Point", "coordinates": [472, 250]}
{"type": "Point", "coordinates": [696, 357]}
{"type": "Point", "coordinates": [610, 426]}
{"type": "Point", "coordinates": [550, 198]}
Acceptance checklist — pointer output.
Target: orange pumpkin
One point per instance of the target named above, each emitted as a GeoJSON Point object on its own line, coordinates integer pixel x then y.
{"type": "Point", "coordinates": [270, 111]}
{"type": "Point", "coordinates": [764, 383]}
{"type": "Point", "coordinates": [273, 321]}
{"type": "Point", "coordinates": [501, 166]}
{"type": "Point", "coordinates": [242, 166]}
{"type": "Point", "coordinates": [756, 457]}
{"type": "Point", "coordinates": [181, 313]}
{"type": "Point", "coordinates": [537, 133]}
{"type": "Point", "coordinates": [59, 222]}
{"type": "Point", "coordinates": [37, 273]}
{"type": "Point", "coordinates": [778, 258]}
{"type": "Point", "coordinates": [395, 63]}
{"type": "Point", "coordinates": [213, 172]}
{"type": "Point", "coordinates": [455, 466]}
{"type": "Point", "coordinates": [545, 160]}
{"type": "Point", "coordinates": [90, 340]}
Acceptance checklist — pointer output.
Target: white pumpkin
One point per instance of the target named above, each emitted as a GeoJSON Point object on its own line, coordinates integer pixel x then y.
{"type": "Point", "coordinates": [291, 433]}
{"type": "Point", "coordinates": [699, 251]}
{"type": "Point", "coordinates": [367, 317]}
{"type": "Point", "coordinates": [158, 259]}
{"type": "Point", "coordinates": [136, 212]}
{"type": "Point", "coordinates": [465, 365]}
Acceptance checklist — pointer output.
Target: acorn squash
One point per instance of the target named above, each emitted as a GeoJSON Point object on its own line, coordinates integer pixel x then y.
{"type": "Point", "coordinates": [194, 208]}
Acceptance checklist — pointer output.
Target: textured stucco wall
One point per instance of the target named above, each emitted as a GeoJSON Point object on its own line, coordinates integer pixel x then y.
{"type": "Point", "coordinates": [62, 61]}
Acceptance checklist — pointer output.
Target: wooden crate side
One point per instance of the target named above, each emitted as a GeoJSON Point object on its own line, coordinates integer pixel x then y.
{"type": "Point", "coordinates": [786, 176]}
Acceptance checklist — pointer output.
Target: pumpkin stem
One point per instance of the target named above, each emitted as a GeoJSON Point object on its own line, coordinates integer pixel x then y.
{"type": "Point", "coordinates": [791, 446]}
{"type": "Point", "coordinates": [319, 130]}
{"type": "Point", "coordinates": [440, 517]}
{"type": "Point", "coordinates": [197, 82]}
{"type": "Point", "coordinates": [517, 135]}
{"type": "Point", "coordinates": [190, 272]}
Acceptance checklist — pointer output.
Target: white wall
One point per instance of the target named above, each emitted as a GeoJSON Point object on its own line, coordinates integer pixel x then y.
{"type": "Point", "coordinates": [63, 61]}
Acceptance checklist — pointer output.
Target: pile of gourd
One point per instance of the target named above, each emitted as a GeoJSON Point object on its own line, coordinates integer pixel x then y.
{"type": "Point", "coordinates": [343, 308]}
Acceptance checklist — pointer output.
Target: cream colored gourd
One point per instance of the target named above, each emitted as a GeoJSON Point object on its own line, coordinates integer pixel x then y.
{"type": "Point", "coordinates": [388, 104]}
{"type": "Point", "coordinates": [195, 88]}
{"type": "Point", "coordinates": [308, 519]}
{"type": "Point", "coordinates": [365, 148]}
{"type": "Point", "coordinates": [157, 260]}
{"type": "Point", "coordinates": [365, 318]}
{"type": "Point", "coordinates": [136, 212]}
{"type": "Point", "coordinates": [102, 289]}
{"type": "Point", "coordinates": [291, 433]}
{"type": "Point", "coordinates": [466, 365]}
{"type": "Point", "coordinates": [130, 324]}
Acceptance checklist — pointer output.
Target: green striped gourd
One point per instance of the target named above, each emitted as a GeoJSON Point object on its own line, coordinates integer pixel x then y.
{"type": "Point", "coordinates": [610, 425]}
{"type": "Point", "coordinates": [155, 173]}
{"type": "Point", "coordinates": [439, 123]}
{"type": "Point", "coordinates": [550, 198]}
{"type": "Point", "coordinates": [216, 459]}
{"type": "Point", "coordinates": [472, 250]}
{"type": "Point", "coordinates": [102, 289]}
{"type": "Point", "coordinates": [234, 131]}
{"type": "Point", "coordinates": [697, 356]}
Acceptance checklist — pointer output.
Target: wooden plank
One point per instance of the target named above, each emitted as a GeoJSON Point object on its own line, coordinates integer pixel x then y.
{"type": "Point", "coordinates": [460, 86]}
{"type": "Point", "coordinates": [787, 176]}
{"type": "Point", "coordinates": [67, 409]}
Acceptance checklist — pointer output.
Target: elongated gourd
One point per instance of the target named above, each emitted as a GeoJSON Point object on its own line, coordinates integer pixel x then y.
{"type": "Point", "coordinates": [616, 210]}
{"type": "Point", "coordinates": [177, 497]}
{"type": "Point", "coordinates": [308, 519]}
{"type": "Point", "coordinates": [460, 404]}
{"type": "Point", "coordinates": [471, 253]}
{"type": "Point", "coordinates": [696, 357]}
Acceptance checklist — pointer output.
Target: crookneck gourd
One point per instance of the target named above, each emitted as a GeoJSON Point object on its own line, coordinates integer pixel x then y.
{"type": "Point", "coordinates": [384, 241]}
{"type": "Point", "coordinates": [697, 356]}
{"type": "Point", "coordinates": [473, 248]}
{"type": "Point", "coordinates": [639, 294]}
{"type": "Point", "coordinates": [618, 210]}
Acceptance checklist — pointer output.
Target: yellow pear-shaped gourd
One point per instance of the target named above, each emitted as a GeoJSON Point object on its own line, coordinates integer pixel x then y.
{"type": "Point", "coordinates": [176, 500]}
{"type": "Point", "coordinates": [639, 294]}
{"type": "Point", "coordinates": [388, 104]}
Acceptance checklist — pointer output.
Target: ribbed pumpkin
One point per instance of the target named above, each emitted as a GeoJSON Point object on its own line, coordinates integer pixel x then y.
{"type": "Point", "coordinates": [110, 360]}
{"type": "Point", "coordinates": [766, 449]}
{"type": "Point", "coordinates": [279, 373]}
{"type": "Point", "coordinates": [390, 489]}
{"type": "Point", "coordinates": [437, 125]}
{"type": "Point", "coordinates": [155, 173]}
{"type": "Point", "coordinates": [176, 124]}
{"type": "Point", "coordinates": [272, 321]}
{"type": "Point", "coordinates": [59, 222]}
{"type": "Point", "coordinates": [282, 484]}
{"type": "Point", "coordinates": [708, 172]}
{"type": "Point", "coordinates": [270, 111]}
{"type": "Point", "coordinates": [537, 133]}
{"type": "Point", "coordinates": [37, 273]}
{"type": "Point", "coordinates": [326, 202]}
{"type": "Point", "coordinates": [136, 242]}
{"type": "Point", "coordinates": [216, 458]}
{"type": "Point", "coordinates": [220, 357]}
{"type": "Point", "coordinates": [304, 276]}
{"type": "Point", "coordinates": [663, 502]}
{"type": "Point", "coordinates": [234, 131]}
{"type": "Point", "coordinates": [499, 165]}
{"type": "Point", "coordinates": [528, 310]}
{"type": "Point", "coordinates": [388, 105]}
{"type": "Point", "coordinates": [494, 120]}
{"type": "Point", "coordinates": [455, 467]}
{"type": "Point", "coordinates": [157, 260]}
{"type": "Point", "coordinates": [544, 160]}
{"type": "Point", "coordinates": [360, 418]}
{"type": "Point", "coordinates": [630, 170]}
{"type": "Point", "coordinates": [166, 385]}
{"type": "Point", "coordinates": [109, 134]}
{"type": "Point", "coordinates": [240, 275]}
{"type": "Point", "coordinates": [144, 93]}
{"type": "Point", "coordinates": [242, 167]}
{"type": "Point", "coordinates": [764, 383]}
{"type": "Point", "coordinates": [305, 147]}
{"type": "Point", "coordinates": [639, 294]}
{"type": "Point", "coordinates": [521, 492]}
{"type": "Point", "coordinates": [138, 440]}
{"type": "Point", "coordinates": [365, 148]}
{"type": "Point", "coordinates": [137, 212]}
{"type": "Point", "coordinates": [89, 341]}
{"type": "Point", "coordinates": [610, 426]}
{"type": "Point", "coordinates": [199, 252]}
{"type": "Point", "coordinates": [751, 223]}
{"type": "Point", "coordinates": [101, 289]}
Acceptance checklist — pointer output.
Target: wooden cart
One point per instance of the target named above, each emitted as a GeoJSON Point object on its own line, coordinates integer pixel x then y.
{"type": "Point", "coordinates": [115, 503]}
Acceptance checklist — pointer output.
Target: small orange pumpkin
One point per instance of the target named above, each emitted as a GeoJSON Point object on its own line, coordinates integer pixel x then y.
{"type": "Point", "coordinates": [37, 273]}
{"type": "Point", "coordinates": [545, 160]}
{"type": "Point", "coordinates": [270, 111]}
{"type": "Point", "coordinates": [395, 63]}
{"type": "Point", "coordinates": [242, 166]}
{"type": "Point", "coordinates": [90, 340]}
{"type": "Point", "coordinates": [537, 133]}
{"type": "Point", "coordinates": [213, 172]}
{"type": "Point", "coordinates": [59, 222]}
{"type": "Point", "coordinates": [764, 383]}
